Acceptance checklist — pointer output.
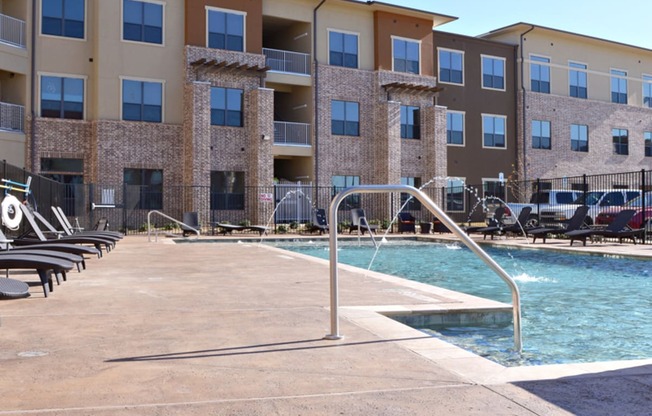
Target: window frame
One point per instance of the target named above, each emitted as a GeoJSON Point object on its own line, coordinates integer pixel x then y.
{"type": "Point", "coordinates": [579, 68]}
{"type": "Point", "coordinates": [394, 58]}
{"type": "Point", "coordinates": [620, 145]}
{"type": "Point", "coordinates": [345, 120]}
{"type": "Point", "coordinates": [647, 143]}
{"type": "Point", "coordinates": [122, 19]}
{"type": "Point", "coordinates": [232, 201]}
{"type": "Point", "coordinates": [621, 76]}
{"type": "Point", "coordinates": [482, 72]}
{"type": "Point", "coordinates": [463, 115]}
{"type": "Point", "coordinates": [144, 202]}
{"type": "Point", "coordinates": [226, 108]}
{"type": "Point", "coordinates": [541, 61]}
{"type": "Point", "coordinates": [439, 66]}
{"type": "Point", "coordinates": [540, 137]}
{"type": "Point", "coordinates": [494, 116]}
{"type": "Point", "coordinates": [357, 55]}
{"type": "Point", "coordinates": [351, 201]}
{"type": "Point", "coordinates": [448, 199]}
{"type": "Point", "coordinates": [575, 144]}
{"type": "Point", "coordinates": [210, 9]}
{"type": "Point", "coordinates": [83, 38]}
{"type": "Point", "coordinates": [416, 125]}
{"type": "Point", "coordinates": [84, 80]}
{"type": "Point", "coordinates": [646, 81]}
{"type": "Point", "coordinates": [142, 80]}
{"type": "Point", "coordinates": [409, 203]}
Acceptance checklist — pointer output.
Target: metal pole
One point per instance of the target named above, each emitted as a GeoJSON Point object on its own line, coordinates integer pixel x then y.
{"type": "Point", "coordinates": [445, 219]}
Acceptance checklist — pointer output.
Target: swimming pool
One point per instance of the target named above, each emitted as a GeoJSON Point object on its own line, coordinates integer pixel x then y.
{"type": "Point", "coordinates": [575, 308]}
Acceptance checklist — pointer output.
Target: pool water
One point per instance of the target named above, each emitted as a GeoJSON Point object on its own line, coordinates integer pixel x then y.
{"type": "Point", "coordinates": [575, 307]}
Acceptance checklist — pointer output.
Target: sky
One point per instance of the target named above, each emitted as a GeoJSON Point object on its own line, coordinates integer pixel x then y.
{"type": "Point", "coordinates": [625, 21]}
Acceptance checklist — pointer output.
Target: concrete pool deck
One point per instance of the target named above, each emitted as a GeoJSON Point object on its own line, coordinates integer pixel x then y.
{"type": "Point", "coordinates": [237, 329]}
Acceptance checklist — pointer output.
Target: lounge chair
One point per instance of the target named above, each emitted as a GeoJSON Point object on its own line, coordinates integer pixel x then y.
{"type": "Point", "coordinates": [359, 222]}
{"type": "Point", "coordinates": [109, 241]}
{"type": "Point", "coordinates": [191, 223]}
{"type": "Point", "coordinates": [319, 221]}
{"type": "Point", "coordinates": [70, 230]}
{"type": "Point", "coordinates": [5, 244]}
{"type": "Point", "coordinates": [495, 221]}
{"type": "Point", "coordinates": [616, 229]}
{"type": "Point", "coordinates": [45, 266]}
{"type": "Point", "coordinates": [517, 228]}
{"type": "Point", "coordinates": [230, 228]}
{"type": "Point", "coordinates": [406, 223]}
{"type": "Point", "coordinates": [40, 238]}
{"type": "Point", "coordinates": [576, 222]}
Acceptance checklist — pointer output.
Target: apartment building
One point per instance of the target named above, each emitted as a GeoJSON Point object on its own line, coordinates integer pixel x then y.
{"type": "Point", "coordinates": [478, 81]}
{"type": "Point", "coordinates": [584, 104]}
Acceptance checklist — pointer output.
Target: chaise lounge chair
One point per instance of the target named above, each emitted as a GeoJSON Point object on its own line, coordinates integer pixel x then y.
{"type": "Point", "coordinates": [576, 222]}
{"type": "Point", "coordinates": [68, 229]}
{"type": "Point", "coordinates": [45, 266]}
{"type": "Point", "coordinates": [190, 223]}
{"type": "Point", "coordinates": [359, 222]}
{"type": "Point", "coordinates": [616, 229]}
{"type": "Point", "coordinates": [406, 223]}
{"type": "Point", "coordinates": [516, 228]}
{"type": "Point", "coordinates": [496, 221]}
{"type": "Point", "coordinates": [319, 221]}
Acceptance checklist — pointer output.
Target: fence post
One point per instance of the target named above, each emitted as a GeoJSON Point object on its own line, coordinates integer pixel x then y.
{"type": "Point", "coordinates": [643, 205]}
{"type": "Point", "coordinates": [538, 193]}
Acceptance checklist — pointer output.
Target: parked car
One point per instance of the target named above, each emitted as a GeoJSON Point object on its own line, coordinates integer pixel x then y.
{"type": "Point", "coordinates": [596, 200]}
{"type": "Point", "coordinates": [642, 217]}
{"type": "Point", "coordinates": [543, 200]}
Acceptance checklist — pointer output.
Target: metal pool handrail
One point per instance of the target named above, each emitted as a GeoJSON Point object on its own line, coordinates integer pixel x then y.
{"type": "Point", "coordinates": [445, 219]}
{"type": "Point", "coordinates": [149, 226]}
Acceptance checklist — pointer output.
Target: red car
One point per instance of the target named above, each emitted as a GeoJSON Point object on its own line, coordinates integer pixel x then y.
{"type": "Point", "coordinates": [637, 221]}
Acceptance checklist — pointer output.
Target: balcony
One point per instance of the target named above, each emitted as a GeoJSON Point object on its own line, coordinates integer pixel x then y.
{"type": "Point", "coordinates": [292, 134]}
{"type": "Point", "coordinates": [286, 61]}
{"type": "Point", "coordinates": [12, 31]}
{"type": "Point", "coordinates": [11, 117]}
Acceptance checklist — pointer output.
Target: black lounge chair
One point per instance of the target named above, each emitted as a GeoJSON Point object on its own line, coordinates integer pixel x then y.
{"type": "Point", "coordinates": [319, 221]}
{"type": "Point", "coordinates": [576, 222]}
{"type": "Point", "coordinates": [190, 223]}
{"type": "Point", "coordinates": [45, 266]}
{"type": "Point", "coordinates": [230, 228]}
{"type": "Point", "coordinates": [516, 228]}
{"type": "Point", "coordinates": [5, 244]}
{"type": "Point", "coordinates": [406, 223]}
{"type": "Point", "coordinates": [616, 229]}
{"type": "Point", "coordinates": [109, 242]}
{"type": "Point", "coordinates": [68, 229]}
{"type": "Point", "coordinates": [496, 221]}
{"type": "Point", "coordinates": [359, 222]}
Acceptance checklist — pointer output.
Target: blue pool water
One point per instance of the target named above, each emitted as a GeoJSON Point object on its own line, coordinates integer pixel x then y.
{"type": "Point", "coordinates": [575, 308]}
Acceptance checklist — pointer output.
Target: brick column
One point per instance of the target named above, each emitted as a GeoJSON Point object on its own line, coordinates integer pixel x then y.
{"type": "Point", "coordinates": [434, 142]}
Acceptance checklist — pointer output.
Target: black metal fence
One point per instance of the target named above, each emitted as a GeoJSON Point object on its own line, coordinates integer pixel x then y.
{"type": "Point", "coordinates": [289, 207]}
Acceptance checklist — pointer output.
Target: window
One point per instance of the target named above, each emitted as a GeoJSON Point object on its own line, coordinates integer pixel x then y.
{"type": "Point", "coordinates": [455, 189]}
{"type": "Point", "coordinates": [227, 190]}
{"type": "Point", "coordinates": [540, 74]}
{"type": "Point", "coordinates": [577, 80]}
{"type": "Point", "coordinates": [406, 55]}
{"type": "Point", "coordinates": [493, 73]}
{"type": "Point", "coordinates": [407, 202]}
{"type": "Point", "coordinates": [345, 118]}
{"type": "Point", "coordinates": [579, 138]}
{"type": "Point", "coordinates": [410, 124]}
{"type": "Point", "coordinates": [620, 140]}
{"type": "Point", "coordinates": [493, 188]}
{"type": "Point", "coordinates": [493, 131]}
{"type": "Point", "coordinates": [647, 91]}
{"type": "Point", "coordinates": [226, 107]}
{"type": "Point", "coordinates": [647, 137]}
{"type": "Point", "coordinates": [142, 21]}
{"type": "Point", "coordinates": [62, 97]}
{"type": "Point", "coordinates": [541, 134]}
{"type": "Point", "coordinates": [343, 49]}
{"type": "Point", "coordinates": [341, 182]}
{"type": "Point", "coordinates": [451, 66]}
{"type": "Point", "coordinates": [70, 172]}
{"type": "Point", "coordinates": [144, 188]}
{"type": "Point", "coordinates": [63, 18]}
{"type": "Point", "coordinates": [142, 101]}
{"type": "Point", "coordinates": [225, 30]}
{"type": "Point", "coordinates": [455, 128]}
{"type": "Point", "coordinates": [618, 86]}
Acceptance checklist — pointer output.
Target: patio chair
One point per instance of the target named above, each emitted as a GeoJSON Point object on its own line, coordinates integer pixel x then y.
{"type": "Point", "coordinates": [618, 228]}
{"type": "Point", "coordinates": [576, 222]}
{"type": "Point", "coordinates": [45, 266]}
{"type": "Point", "coordinates": [495, 221]}
{"type": "Point", "coordinates": [406, 223]}
{"type": "Point", "coordinates": [517, 228]}
{"type": "Point", "coordinates": [70, 230]}
{"type": "Point", "coordinates": [359, 222]}
{"type": "Point", "coordinates": [190, 223]}
{"type": "Point", "coordinates": [319, 221]}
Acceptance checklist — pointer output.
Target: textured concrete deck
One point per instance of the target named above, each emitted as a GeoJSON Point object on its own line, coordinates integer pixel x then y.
{"type": "Point", "coordinates": [236, 329]}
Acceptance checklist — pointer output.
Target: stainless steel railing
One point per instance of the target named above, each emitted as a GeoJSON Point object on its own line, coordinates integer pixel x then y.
{"type": "Point", "coordinates": [149, 226]}
{"type": "Point", "coordinates": [445, 219]}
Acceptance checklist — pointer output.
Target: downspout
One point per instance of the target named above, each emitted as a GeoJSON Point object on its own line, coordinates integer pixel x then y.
{"type": "Point", "coordinates": [32, 87]}
{"type": "Point", "coordinates": [523, 110]}
{"type": "Point", "coordinates": [316, 95]}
